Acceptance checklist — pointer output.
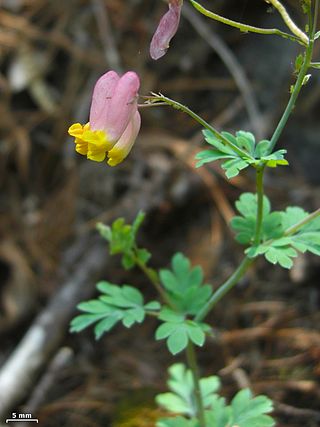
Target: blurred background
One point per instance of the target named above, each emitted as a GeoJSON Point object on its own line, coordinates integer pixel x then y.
{"type": "Point", "coordinates": [51, 54]}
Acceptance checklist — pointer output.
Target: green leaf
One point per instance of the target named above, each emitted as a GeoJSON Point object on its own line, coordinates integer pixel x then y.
{"type": "Point", "coordinates": [282, 250]}
{"type": "Point", "coordinates": [143, 255]}
{"type": "Point", "coordinates": [195, 333]}
{"type": "Point", "coordinates": [298, 63]}
{"type": "Point", "coordinates": [262, 149]}
{"type": "Point", "coordinates": [275, 159]}
{"type": "Point", "coordinates": [178, 340]}
{"type": "Point", "coordinates": [245, 225]}
{"type": "Point", "coordinates": [208, 156]}
{"type": "Point", "coordinates": [137, 222]}
{"type": "Point", "coordinates": [116, 303]}
{"type": "Point", "coordinates": [234, 166]}
{"type": "Point", "coordinates": [177, 331]}
{"type": "Point", "coordinates": [217, 143]}
{"type": "Point", "coordinates": [177, 422]}
{"type": "Point", "coordinates": [292, 215]}
{"type": "Point", "coordinates": [246, 141]}
{"type": "Point", "coordinates": [244, 410]}
{"type": "Point", "coordinates": [128, 261]}
{"type": "Point", "coordinates": [220, 414]}
{"type": "Point", "coordinates": [248, 411]}
{"type": "Point", "coordinates": [106, 324]}
{"type": "Point", "coordinates": [152, 306]}
{"type": "Point", "coordinates": [181, 399]}
{"type": "Point", "coordinates": [235, 162]}
{"type": "Point", "coordinates": [81, 322]}
{"type": "Point", "coordinates": [275, 254]}
{"type": "Point", "coordinates": [247, 205]}
{"type": "Point", "coordinates": [184, 287]}
{"type": "Point", "coordinates": [122, 240]}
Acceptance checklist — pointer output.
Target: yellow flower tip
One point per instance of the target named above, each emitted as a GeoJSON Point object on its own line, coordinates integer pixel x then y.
{"type": "Point", "coordinates": [76, 130]}
{"type": "Point", "coordinates": [116, 156]}
{"type": "Point", "coordinates": [91, 143]}
{"type": "Point", "coordinates": [98, 145]}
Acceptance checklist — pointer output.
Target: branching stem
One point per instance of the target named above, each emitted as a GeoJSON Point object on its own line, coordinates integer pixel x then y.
{"type": "Point", "coordinates": [152, 275]}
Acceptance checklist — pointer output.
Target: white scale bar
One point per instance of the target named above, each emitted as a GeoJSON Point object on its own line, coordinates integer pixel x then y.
{"type": "Point", "coordinates": [28, 420]}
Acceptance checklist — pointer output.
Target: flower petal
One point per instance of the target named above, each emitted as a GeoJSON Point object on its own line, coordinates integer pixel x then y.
{"type": "Point", "coordinates": [122, 148]}
{"type": "Point", "coordinates": [122, 106]}
{"type": "Point", "coordinates": [101, 99]}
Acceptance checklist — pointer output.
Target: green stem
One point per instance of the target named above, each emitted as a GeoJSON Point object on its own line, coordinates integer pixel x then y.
{"type": "Point", "coordinates": [224, 288]}
{"type": "Point", "coordinates": [260, 191]}
{"type": "Point", "coordinates": [288, 21]}
{"type": "Point", "coordinates": [294, 95]}
{"type": "Point", "coordinates": [153, 277]}
{"type": "Point", "coordinates": [193, 365]}
{"type": "Point", "coordinates": [201, 121]}
{"type": "Point", "coordinates": [243, 27]}
{"type": "Point", "coordinates": [315, 19]}
{"type": "Point", "coordinates": [296, 227]}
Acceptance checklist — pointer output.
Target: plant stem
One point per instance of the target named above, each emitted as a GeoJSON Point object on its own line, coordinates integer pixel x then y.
{"type": "Point", "coordinates": [315, 19]}
{"type": "Point", "coordinates": [200, 120]}
{"type": "Point", "coordinates": [260, 191]}
{"type": "Point", "coordinates": [288, 21]}
{"type": "Point", "coordinates": [296, 227]}
{"type": "Point", "coordinates": [243, 27]}
{"type": "Point", "coordinates": [153, 277]}
{"type": "Point", "coordinates": [246, 262]}
{"type": "Point", "coordinates": [193, 365]}
{"type": "Point", "coordinates": [294, 95]}
{"type": "Point", "coordinates": [224, 288]}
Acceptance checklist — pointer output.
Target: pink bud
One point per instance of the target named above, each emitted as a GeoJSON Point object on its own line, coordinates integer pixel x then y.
{"type": "Point", "coordinates": [167, 28]}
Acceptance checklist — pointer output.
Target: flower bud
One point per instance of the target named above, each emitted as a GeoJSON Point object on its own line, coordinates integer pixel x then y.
{"type": "Point", "coordinates": [166, 29]}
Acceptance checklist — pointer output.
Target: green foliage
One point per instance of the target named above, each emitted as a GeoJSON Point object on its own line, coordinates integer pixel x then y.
{"type": "Point", "coordinates": [244, 410]}
{"type": "Point", "coordinates": [178, 330]}
{"type": "Point", "coordinates": [122, 240]}
{"type": "Point", "coordinates": [248, 411]}
{"type": "Point", "coordinates": [245, 224]}
{"type": "Point", "coordinates": [281, 250]}
{"type": "Point", "coordinates": [117, 303]}
{"type": "Point", "coordinates": [254, 154]}
{"type": "Point", "coordinates": [180, 399]}
{"type": "Point", "coordinates": [177, 422]}
{"type": "Point", "coordinates": [306, 6]}
{"type": "Point", "coordinates": [298, 63]}
{"type": "Point", "coordinates": [184, 287]}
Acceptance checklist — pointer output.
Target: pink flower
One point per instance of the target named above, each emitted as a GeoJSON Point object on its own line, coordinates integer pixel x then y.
{"type": "Point", "coordinates": [166, 29]}
{"type": "Point", "coordinates": [114, 121]}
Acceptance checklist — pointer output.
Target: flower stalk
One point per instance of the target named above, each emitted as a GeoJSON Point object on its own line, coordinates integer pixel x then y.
{"type": "Point", "coordinates": [159, 99]}
{"type": "Point", "coordinates": [288, 21]}
{"type": "Point", "coordinates": [247, 28]}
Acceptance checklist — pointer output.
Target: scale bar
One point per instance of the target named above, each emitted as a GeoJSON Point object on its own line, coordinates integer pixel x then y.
{"type": "Point", "coordinates": [28, 420]}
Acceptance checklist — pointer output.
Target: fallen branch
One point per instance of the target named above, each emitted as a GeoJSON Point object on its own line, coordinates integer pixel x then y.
{"type": "Point", "coordinates": [44, 336]}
